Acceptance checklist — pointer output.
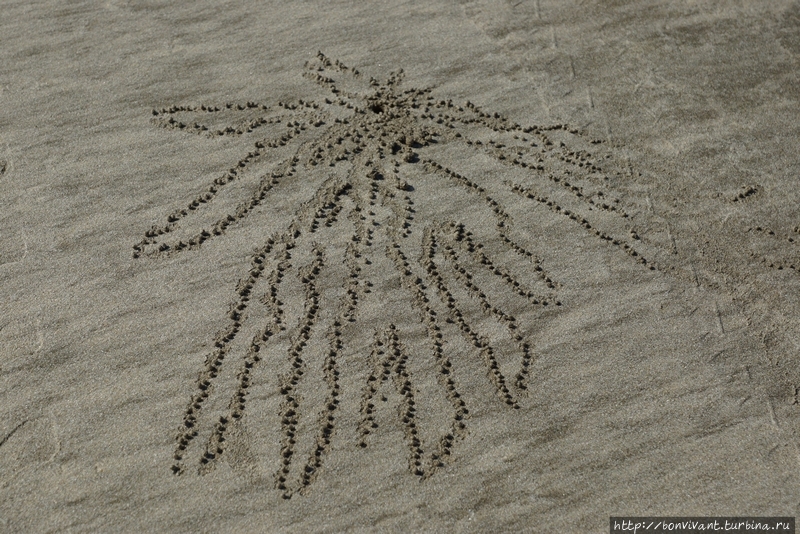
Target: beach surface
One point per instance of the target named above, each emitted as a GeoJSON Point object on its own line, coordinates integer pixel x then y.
{"type": "Point", "coordinates": [471, 266]}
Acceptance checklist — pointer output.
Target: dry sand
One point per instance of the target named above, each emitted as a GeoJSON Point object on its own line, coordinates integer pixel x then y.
{"type": "Point", "coordinates": [338, 319]}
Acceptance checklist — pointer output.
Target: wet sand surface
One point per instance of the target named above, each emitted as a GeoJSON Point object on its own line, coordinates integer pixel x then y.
{"type": "Point", "coordinates": [330, 266]}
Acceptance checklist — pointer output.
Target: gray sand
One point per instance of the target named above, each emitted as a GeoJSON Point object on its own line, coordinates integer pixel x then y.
{"type": "Point", "coordinates": [355, 304]}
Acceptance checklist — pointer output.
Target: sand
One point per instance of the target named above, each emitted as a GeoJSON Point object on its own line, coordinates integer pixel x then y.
{"type": "Point", "coordinates": [333, 266]}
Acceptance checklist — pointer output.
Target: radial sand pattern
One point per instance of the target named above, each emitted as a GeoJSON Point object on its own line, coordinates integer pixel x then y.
{"type": "Point", "coordinates": [366, 150]}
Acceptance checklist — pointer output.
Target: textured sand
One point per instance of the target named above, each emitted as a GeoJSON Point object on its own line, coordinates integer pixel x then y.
{"type": "Point", "coordinates": [633, 165]}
